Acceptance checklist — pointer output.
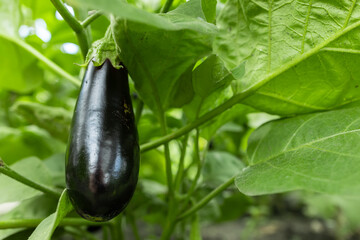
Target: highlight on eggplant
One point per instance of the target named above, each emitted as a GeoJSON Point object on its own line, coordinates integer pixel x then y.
{"type": "Point", "coordinates": [102, 159]}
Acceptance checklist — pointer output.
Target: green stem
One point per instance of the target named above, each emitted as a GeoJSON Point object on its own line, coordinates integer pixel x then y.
{"type": "Point", "coordinates": [32, 223]}
{"type": "Point", "coordinates": [167, 154]}
{"type": "Point", "coordinates": [74, 24]}
{"type": "Point", "coordinates": [79, 232]}
{"type": "Point", "coordinates": [171, 216]}
{"type": "Point", "coordinates": [167, 6]}
{"type": "Point", "coordinates": [113, 232]}
{"type": "Point", "coordinates": [18, 177]}
{"type": "Point", "coordinates": [50, 64]}
{"type": "Point", "coordinates": [105, 231]}
{"type": "Point", "coordinates": [170, 220]}
{"type": "Point", "coordinates": [180, 172]}
{"type": "Point", "coordinates": [138, 111]}
{"type": "Point", "coordinates": [91, 18]}
{"type": "Point", "coordinates": [206, 199]}
{"type": "Point", "coordinates": [201, 120]}
{"type": "Point", "coordinates": [134, 228]}
{"type": "Point", "coordinates": [199, 165]}
{"type": "Point", "coordinates": [119, 227]}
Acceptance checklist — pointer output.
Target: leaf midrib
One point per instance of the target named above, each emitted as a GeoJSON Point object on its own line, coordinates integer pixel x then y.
{"type": "Point", "coordinates": [305, 145]}
{"type": "Point", "coordinates": [296, 60]}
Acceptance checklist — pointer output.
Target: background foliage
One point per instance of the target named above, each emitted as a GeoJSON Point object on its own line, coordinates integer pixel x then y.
{"type": "Point", "coordinates": [208, 78]}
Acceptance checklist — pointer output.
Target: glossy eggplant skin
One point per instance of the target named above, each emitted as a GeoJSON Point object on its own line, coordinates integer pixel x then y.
{"type": "Point", "coordinates": [102, 159]}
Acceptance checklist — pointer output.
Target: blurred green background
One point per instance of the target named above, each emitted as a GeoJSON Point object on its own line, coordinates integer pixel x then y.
{"type": "Point", "coordinates": [36, 107]}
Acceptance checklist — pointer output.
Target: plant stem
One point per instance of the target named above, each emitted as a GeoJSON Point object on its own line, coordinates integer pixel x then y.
{"type": "Point", "coordinates": [162, 119]}
{"type": "Point", "coordinates": [74, 24]}
{"type": "Point", "coordinates": [134, 228]}
{"type": "Point", "coordinates": [105, 230]}
{"type": "Point", "coordinates": [18, 177]}
{"type": "Point", "coordinates": [119, 227]}
{"type": "Point", "coordinates": [53, 66]}
{"type": "Point", "coordinates": [180, 172]}
{"type": "Point", "coordinates": [170, 220]}
{"type": "Point", "coordinates": [201, 120]}
{"type": "Point", "coordinates": [79, 232]}
{"type": "Point", "coordinates": [32, 223]}
{"type": "Point", "coordinates": [138, 111]}
{"type": "Point", "coordinates": [206, 199]}
{"type": "Point", "coordinates": [87, 21]}
{"type": "Point", "coordinates": [198, 162]}
{"type": "Point", "coordinates": [166, 6]}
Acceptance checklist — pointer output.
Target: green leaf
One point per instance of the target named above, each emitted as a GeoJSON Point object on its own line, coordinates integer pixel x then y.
{"type": "Point", "coordinates": [220, 167]}
{"type": "Point", "coordinates": [297, 64]}
{"type": "Point", "coordinates": [55, 120]}
{"type": "Point", "coordinates": [36, 207]}
{"type": "Point", "coordinates": [156, 72]}
{"type": "Point", "coordinates": [20, 72]}
{"type": "Point", "coordinates": [317, 152]}
{"type": "Point", "coordinates": [211, 75]}
{"type": "Point", "coordinates": [199, 106]}
{"type": "Point", "coordinates": [190, 8]}
{"type": "Point", "coordinates": [31, 168]}
{"type": "Point", "coordinates": [46, 228]}
{"type": "Point", "coordinates": [209, 9]}
{"type": "Point", "coordinates": [56, 167]}
{"type": "Point", "coordinates": [183, 91]}
{"type": "Point", "coordinates": [124, 10]}
{"type": "Point", "coordinates": [28, 141]}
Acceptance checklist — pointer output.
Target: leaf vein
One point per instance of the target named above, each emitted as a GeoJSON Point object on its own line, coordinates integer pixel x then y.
{"type": "Point", "coordinates": [297, 130]}
{"type": "Point", "coordinates": [307, 20]}
{"type": "Point", "coordinates": [350, 13]}
{"type": "Point", "coordinates": [276, 96]}
{"type": "Point", "coordinates": [308, 144]}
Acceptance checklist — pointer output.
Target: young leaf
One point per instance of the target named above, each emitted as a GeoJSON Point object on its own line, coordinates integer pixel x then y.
{"type": "Point", "coordinates": [46, 228]}
{"type": "Point", "coordinates": [31, 168]}
{"type": "Point", "coordinates": [300, 56]}
{"type": "Point", "coordinates": [317, 152]}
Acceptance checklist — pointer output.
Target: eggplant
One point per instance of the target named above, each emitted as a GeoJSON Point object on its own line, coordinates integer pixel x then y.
{"type": "Point", "coordinates": [102, 159]}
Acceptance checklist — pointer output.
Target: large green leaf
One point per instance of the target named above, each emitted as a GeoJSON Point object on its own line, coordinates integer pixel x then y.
{"type": "Point", "coordinates": [129, 12]}
{"type": "Point", "coordinates": [318, 152]}
{"type": "Point", "coordinates": [31, 168]}
{"type": "Point", "coordinates": [158, 59]}
{"type": "Point", "coordinates": [301, 56]}
{"type": "Point", "coordinates": [46, 228]}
